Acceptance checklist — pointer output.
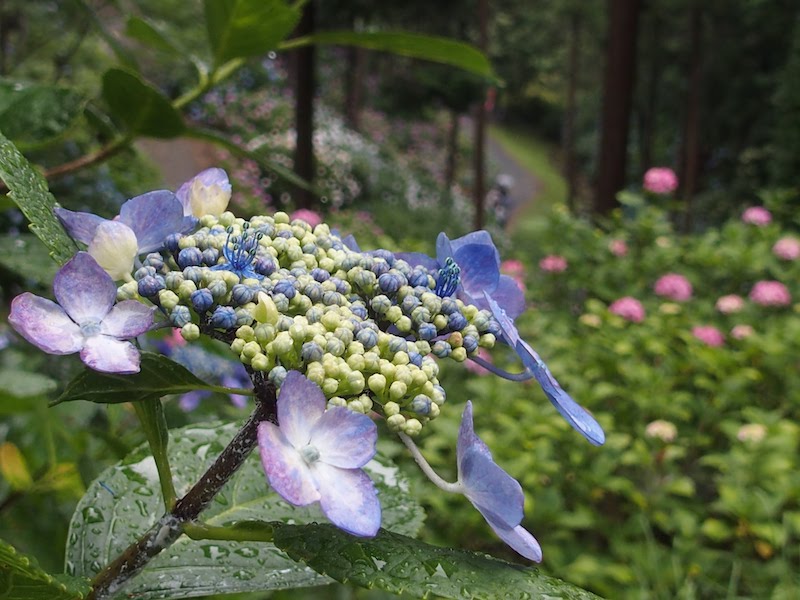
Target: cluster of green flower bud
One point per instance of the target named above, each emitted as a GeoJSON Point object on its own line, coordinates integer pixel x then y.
{"type": "Point", "coordinates": [364, 326]}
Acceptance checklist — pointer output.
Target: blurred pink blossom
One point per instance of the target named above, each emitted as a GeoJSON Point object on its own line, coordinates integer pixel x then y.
{"type": "Point", "coordinates": [474, 367]}
{"type": "Point", "coordinates": [628, 308]}
{"type": "Point", "coordinates": [662, 430]}
{"type": "Point", "coordinates": [751, 432]}
{"type": "Point", "coordinates": [512, 267]}
{"type": "Point", "coordinates": [709, 335]}
{"type": "Point", "coordinates": [660, 180]}
{"type": "Point", "coordinates": [618, 247]}
{"type": "Point", "coordinates": [740, 332]}
{"type": "Point", "coordinates": [787, 248]}
{"type": "Point", "coordinates": [673, 286]}
{"type": "Point", "coordinates": [730, 304]}
{"type": "Point", "coordinates": [309, 216]}
{"type": "Point", "coordinates": [770, 293]}
{"type": "Point", "coordinates": [757, 215]}
{"type": "Point", "coordinates": [553, 263]}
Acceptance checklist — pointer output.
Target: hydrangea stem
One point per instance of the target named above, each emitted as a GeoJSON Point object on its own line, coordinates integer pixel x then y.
{"type": "Point", "coordinates": [187, 509]}
{"type": "Point", "coordinates": [455, 488]}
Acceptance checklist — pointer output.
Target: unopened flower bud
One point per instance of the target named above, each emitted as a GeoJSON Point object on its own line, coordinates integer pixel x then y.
{"type": "Point", "coordinates": [396, 422]}
{"type": "Point", "coordinates": [190, 332]}
{"type": "Point", "coordinates": [412, 427]}
{"type": "Point", "coordinates": [168, 299]}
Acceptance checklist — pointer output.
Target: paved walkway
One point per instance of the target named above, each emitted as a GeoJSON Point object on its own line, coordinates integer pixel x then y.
{"type": "Point", "coordinates": [526, 186]}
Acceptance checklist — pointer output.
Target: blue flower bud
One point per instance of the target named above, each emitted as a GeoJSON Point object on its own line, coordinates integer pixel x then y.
{"type": "Point", "coordinates": [418, 278]}
{"type": "Point", "coordinates": [180, 316]}
{"type": "Point", "coordinates": [313, 291]}
{"type": "Point", "coordinates": [367, 337]}
{"type": "Point", "coordinates": [210, 257]}
{"type": "Point", "coordinates": [202, 300]}
{"type": "Point", "coordinates": [218, 289]}
{"type": "Point", "coordinates": [359, 310]}
{"type": "Point", "coordinates": [277, 376]}
{"type": "Point", "coordinates": [456, 321]}
{"type": "Point", "coordinates": [285, 234]}
{"type": "Point", "coordinates": [421, 404]}
{"type": "Point", "coordinates": [350, 261]}
{"type": "Point", "coordinates": [154, 260]}
{"type": "Point", "coordinates": [427, 331]}
{"type": "Point", "coordinates": [385, 255]}
{"type": "Point", "coordinates": [420, 315]}
{"type": "Point", "coordinates": [449, 306]}
{"type": "Point", "coordinates": [223, 317]}
{"type": "Point", "coordinates": [344, 334]}
{"type": "Point", "coordinates": [268, 229]}
{"type": "Point", "coordinates": [242, 294]}
{"type": "Point", "coordinates": [380, 267]}
{"type": "Point", "coordinates": [415, 358]}
{"type": "Point", "coordinates": [390, 282]}
{"type": "Point", "coordinates": [194, 274]}
{"type": "Point", "coordinates": [281, 302]}
{"type": "Point", "coordinates": [470, 343]}
{"type": "Point", "coordinates": [314, 314]}
{"type": "Point", "coordinates": [397, 344]}
{"type": "Point", "coordinates": [190, 257]}
{"type": "Point", "coordinates": [320, 275]}
{"type": "Point", "coordinates": [441, 349]}
{"type": "Point", "coordinates": [144, 272]}
{"type": "Point", "coordinates": [264, 265]}
{"type": "Point", "coordinates": [172, 242]}
{"type": "Point", "coordinates": [341, 286]}
{"type": "Point", "coordinates": [409, 303]}
{"type": "Point", "coordinates": [285, 287]}
{"type": "Point", "coordinates": [364, 279]}
{"type": "Point", "coordinates": [311, 352]}
{"type": "Point", "coordinates": [332, 298]}
{"type": "Point", "coordinates": [380, 304]}
{"type": "Point", "coordinates": [150, 285]}
{"type": "Point", "coordinates": [495, 329]}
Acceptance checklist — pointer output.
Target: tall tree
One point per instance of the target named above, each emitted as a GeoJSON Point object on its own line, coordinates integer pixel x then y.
{"type": "Point", "coordinates": [571, 108]}
{"type": "Point", "coordinates": [617, 101]}
{"type": "Point", "coordinates": [305, 86]}
{"type": "Point", "coordinates": [690, 159]}
{"type": "Point", "coordinates": [479, 185]}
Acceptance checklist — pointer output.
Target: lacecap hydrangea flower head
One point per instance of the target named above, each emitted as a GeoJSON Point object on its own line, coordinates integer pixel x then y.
{"type": "Point", "coordinates": [347, 336]}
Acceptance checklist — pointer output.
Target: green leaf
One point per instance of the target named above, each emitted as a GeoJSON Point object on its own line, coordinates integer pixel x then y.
{"type": "Point", "coordinates": [24, 255]}
{"type": "Point", "coordinates": [241, 28]}
{"type": "Point", "coordinates": [426, 47]}
{"type": "Point", "coordinates": [142, 108]}
{"type": "Point", "coordinates": [103, 524]}
{"type": "Point", "coordinates": [32, 114]}
{"type": "Point", "coordinates": [399, 564]}
{"type": "Point", "coordinates": [21, 578]}
{"type": "Point", "coordinates": [148, 33]}
{"type": "Point", "coordinates": [158, 376]}
{"type": "Point", "coordinates": [28, 189]}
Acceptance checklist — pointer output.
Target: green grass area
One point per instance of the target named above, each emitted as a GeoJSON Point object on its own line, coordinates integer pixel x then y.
{"type": "Point", "coordinates": [536, 156]}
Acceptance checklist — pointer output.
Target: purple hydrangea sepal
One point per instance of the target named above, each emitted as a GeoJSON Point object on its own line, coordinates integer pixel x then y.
{"type": "Point", "coordinates": [207, 193]}
{"type": "Point", "coordinates": [496, 495]}
{"type": "Point", "coordinates": [85, 320]}
{"type": "Point", "coordinates": [573, 412]}
{"type": "Point", "coordinates": [479, 264]}
{"type": "Point", "coordinates": [316, 455]}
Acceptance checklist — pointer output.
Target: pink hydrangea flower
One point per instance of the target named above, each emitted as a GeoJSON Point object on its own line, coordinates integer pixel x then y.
{"type": "Point", "coordinates": [553, 263]}
{"type": "Point", "coordinates": [662, 430]}
{"type": "Point", "coordinates": [628, 308]}
{"type": "Point", "coordinates": [770, 293]}
{"type": "Point", "coordinates": [309, 216]}
{"type": "Point", "coordinates": [660, 180]}
{"type": "Point", "coordinates": [512, 267]}
{"type": "Point", "coordinates": [787, 248]}
{"type": "Point", "coordinates": [673, 286]}
{"type": "Point", "coordinates": [618, 247]}
{"type": "Point", "coordinates": [757, 215]}
{"type": "Point", "coordinates": [730, 304]}
{"type": "Point", "coordinates": [739, 332]}
{"type": "Point", "coordinates": [709, 335]}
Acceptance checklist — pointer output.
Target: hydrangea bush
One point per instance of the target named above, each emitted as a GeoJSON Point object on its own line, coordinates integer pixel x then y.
{"type": "Point", "coordinates": [337, 344]}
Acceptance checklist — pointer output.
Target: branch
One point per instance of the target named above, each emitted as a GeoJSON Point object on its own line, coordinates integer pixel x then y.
{"type": "Point", "coordinates": [171, 526]}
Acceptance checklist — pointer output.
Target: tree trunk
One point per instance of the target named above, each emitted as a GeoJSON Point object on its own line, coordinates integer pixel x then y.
{"type": "Point", "coordinates": [452, 154]}
{"type": "Point", "coordinates": [304, 108]}
{"type": "Point", "coordinates": [354, 77]}
{"type": "Point", "coordinates": [691, 137]}
{"type": "Point", "coordinates": [570, 162]}
{"type": "Point", "coordinates": [647, 114]}
{"type": "Point", "coordinates": [617, 99]}
{"type": "Point", "coordinates": [479, 185]}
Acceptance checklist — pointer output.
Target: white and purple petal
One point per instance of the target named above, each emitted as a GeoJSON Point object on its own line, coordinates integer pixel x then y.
{"type": "Point", "coordinates": [152, 217]}
{"type": "Point", "coordinates": [45, 324]}
{"type": "Point", "coordinates": [287, 472]}
{"type": "Point", "coordinates": [348, 498]}
{"type": "Point", "coordinates": [127, 319]}
{"type": "Point", "coordinates": [80, 225]}
{"type": "Point", "coordinates": [84, 290]}
{"type": "Point", "coordinates": [110, 355]}
{"type": "Point", "coordinates": [115, 248]}
{"type": "Point", "coordinates": [207, 193]}
{"type": "Point", "coordinates": [344, 438]}
{"type": "Point", "coordinates": [300, 405]}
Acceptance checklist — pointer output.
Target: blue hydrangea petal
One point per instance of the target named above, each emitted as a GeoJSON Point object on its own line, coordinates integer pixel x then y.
{"type": "Point", "coordinates": [518, 538]}
{"type": "Point", "coordinates": [84, 290]}
{"type": "Point", "coordinates": [348, 498]}
{"type": "Point", "coordinates": [153, 216]}
{"type": "Point", "coordinates": [80, 225]}
{"type": "Point", "coordinates": [127, 319]}
{"type": "Point", "coordinates": [480, 237]}
{"type": "Point", "coordinates": [480, 268]}
{"type": "Point", "coordinates": [191, 400]}
{"type": "Point", "coordinates": [351, 243]}
{"type": "Point", "coordinates": [574, 413]}
{"type": "Point", "coordinates": [510, 333]}
{"type": "Point", "coordinates": [444, 249]}
{"type": "Point", "coordinates": [44, 324]}
{"type": "Point", "coordinates": [507, 295]}
{"type": "Point", "coordinates": [301, 403]}
{"type": "Point", "coordinates": [287, 472]}
{"type": "Point", "coordinates": [110, 355]}
{"type": "Point", "coordinates": [418, 259]}
{"type": "Point", "coordinates": [344, 438]}
{"type": "Point", "coordinates": [493, 491]}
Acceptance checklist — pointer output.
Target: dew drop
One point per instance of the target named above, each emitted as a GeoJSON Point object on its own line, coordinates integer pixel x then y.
{"type": "Point", "coordinates": [92, 515]}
